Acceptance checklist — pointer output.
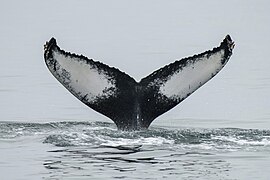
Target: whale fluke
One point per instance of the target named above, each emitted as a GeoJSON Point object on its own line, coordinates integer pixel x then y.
{"type": "Point", "coordinates": [134, 105]}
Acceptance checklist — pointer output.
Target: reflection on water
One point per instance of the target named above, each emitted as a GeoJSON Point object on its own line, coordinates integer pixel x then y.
{"type": "Point", "coordinates": [99, 150]}
{"type": "Point", "coordinates": [125, 162]}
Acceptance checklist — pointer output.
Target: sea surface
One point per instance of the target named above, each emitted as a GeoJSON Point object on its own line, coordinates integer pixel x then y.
{"type": "Point", "coordinates": [222, 131]}
{"type": "Point", "coordinates": [83, 150]}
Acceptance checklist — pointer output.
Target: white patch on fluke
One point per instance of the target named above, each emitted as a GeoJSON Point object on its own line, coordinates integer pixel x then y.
{"type": "Point", "coordinates": [84, 79]}
{"type": "Point", "coordinates": [192, 76]}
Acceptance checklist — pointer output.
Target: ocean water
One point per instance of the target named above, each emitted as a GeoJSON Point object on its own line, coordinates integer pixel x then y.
{"type": "Point", "coordinates": [83, 150]}
{"type": "Point", "coordinates": [222, 131]}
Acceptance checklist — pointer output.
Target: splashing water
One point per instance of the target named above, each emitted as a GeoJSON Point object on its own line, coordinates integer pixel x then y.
{"type": "Point", "coordinates": [64, 134]}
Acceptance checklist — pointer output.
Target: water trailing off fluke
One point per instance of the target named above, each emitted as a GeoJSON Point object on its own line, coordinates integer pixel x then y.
{"type": "Point", "coordinates": [134, 105]}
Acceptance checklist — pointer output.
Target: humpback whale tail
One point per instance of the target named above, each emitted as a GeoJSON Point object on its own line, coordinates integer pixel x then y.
{"type": "Point", "coordinates": [130, 104]}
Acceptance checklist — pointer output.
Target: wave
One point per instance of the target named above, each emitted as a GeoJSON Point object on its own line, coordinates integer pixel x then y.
{"type": "Point", "coordinates": [101, 134]}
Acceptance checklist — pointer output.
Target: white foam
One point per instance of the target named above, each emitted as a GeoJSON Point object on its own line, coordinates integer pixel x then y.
{"type": "Point", "coordinates": [192, 76]}
{"type": "Point", "coordinates": [139, 141]}
{"type": "Point", "coordinates": [242, 142]}
{"type": "Point", "coordinates": [85, 79]}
